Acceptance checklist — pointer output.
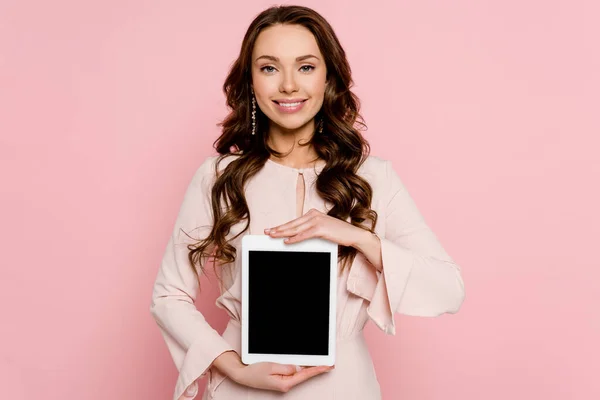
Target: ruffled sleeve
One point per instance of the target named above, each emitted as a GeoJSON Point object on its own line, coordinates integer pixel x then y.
{"type": "Point", "coordinates": [191, 341]}
{"type": "Point", "coordinates": [418, 278]}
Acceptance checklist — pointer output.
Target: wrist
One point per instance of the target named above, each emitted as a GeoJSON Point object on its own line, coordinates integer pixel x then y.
{"type": "Point", "coordinates": [364, 240]}
{"type": "Point", "coordinates": [229, 363]}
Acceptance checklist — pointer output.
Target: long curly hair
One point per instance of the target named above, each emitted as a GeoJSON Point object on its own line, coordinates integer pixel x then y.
{"type": "Point", "coordinates": [340, 143]}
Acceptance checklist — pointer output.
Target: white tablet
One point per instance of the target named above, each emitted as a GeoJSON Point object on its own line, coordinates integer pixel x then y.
{"type": "Point", "coordinates": [289, 296]}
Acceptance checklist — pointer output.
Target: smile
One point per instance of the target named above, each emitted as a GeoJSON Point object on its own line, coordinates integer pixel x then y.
{"type": "Point", "coordinates": [288, 107]}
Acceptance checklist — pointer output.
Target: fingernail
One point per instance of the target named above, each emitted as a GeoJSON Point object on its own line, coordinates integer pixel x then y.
{"type": "Point", "coordinates": [267, 230]}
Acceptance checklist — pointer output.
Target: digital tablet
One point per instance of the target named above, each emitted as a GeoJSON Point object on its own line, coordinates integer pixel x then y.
{"type": "Point", "coordinates": [289, 296]}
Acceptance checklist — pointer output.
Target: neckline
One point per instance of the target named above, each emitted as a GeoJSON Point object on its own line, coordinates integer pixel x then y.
{"type": "Point", "coordinates": [316, 168]}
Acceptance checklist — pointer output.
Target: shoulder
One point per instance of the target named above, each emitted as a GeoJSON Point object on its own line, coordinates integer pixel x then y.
{"type": "Point", "coordinates": [210, 164]}
{"type": "Point", "coordinates": [206, 172]}
{"type": "Point", "coordinates": [375, 169]}
{"type": "Point", "coordinates": [374, 164]}
{"type": "Point", "coordinates": [381, 175]}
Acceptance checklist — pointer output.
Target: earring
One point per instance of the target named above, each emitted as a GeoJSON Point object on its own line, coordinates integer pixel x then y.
{"type": "Point", "coordinates": [321, 126]}
{"type": "Point", "coordinates": [253, 116]}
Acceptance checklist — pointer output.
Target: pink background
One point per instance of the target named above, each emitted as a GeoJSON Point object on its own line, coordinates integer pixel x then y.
{"type": "Point", "coordinates": [488, 109]}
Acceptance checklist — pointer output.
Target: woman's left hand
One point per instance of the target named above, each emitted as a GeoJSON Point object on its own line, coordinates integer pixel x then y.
{"type": "Point", "coordinates": [315, 224]}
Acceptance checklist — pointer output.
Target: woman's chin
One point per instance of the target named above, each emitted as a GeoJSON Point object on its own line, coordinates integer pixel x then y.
{"type": "Point", "coordinates": [290, 125]}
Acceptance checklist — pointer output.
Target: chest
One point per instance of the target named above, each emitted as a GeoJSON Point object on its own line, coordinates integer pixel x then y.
{"type": "Point", "coordinates": [275, 201]}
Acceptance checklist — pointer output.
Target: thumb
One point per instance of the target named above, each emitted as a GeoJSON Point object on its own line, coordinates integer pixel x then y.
{"type": "Point", "coordinates": [282, 369]}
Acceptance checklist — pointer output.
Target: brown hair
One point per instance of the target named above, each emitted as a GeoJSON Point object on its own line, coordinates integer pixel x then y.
{"type": "Point", "coordinates": [340, 144]}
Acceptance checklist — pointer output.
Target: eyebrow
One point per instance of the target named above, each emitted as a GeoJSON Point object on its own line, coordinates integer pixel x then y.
{"type": "Point", "coordinates": [275, 59]}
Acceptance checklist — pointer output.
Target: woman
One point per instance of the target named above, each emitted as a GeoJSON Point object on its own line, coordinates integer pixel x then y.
{"type": "Point", "coordinates": [292, 164]}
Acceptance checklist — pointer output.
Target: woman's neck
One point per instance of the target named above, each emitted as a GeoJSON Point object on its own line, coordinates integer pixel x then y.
{"type": "Point", "coordinates": [289, 143]}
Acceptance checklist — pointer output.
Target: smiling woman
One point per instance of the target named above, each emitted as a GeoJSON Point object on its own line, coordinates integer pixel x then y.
{"type": "Point", "coordinates": [288, 84]}
{"type": "Point", "coordinates": [293, 164]}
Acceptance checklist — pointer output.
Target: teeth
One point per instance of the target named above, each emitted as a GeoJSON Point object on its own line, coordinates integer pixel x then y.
{"type": "Point", "coordinates": [290, 104]}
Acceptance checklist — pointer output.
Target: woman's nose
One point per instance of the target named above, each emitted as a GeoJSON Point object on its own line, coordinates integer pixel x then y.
{"type": "Point", "coordinates": [288, 84]}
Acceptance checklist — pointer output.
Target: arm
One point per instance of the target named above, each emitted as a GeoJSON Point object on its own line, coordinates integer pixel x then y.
{"type": "Point", "coordinates": [417, 276]}
{"type": "Point", "coordinates": [192, 342]}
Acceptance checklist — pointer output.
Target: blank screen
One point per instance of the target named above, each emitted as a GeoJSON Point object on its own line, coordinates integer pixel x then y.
{"type": "Point", "coordinates": [288, 302]}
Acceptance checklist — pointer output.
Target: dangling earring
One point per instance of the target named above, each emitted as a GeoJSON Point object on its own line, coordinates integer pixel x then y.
{"type": "Point", "coordinates": [253, 116]}
{"type": "Point", "coordinates": [321, 126]}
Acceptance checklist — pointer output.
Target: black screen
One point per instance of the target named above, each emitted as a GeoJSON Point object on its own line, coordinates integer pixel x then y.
{"type": "Point", "coordinates": [288, 302]}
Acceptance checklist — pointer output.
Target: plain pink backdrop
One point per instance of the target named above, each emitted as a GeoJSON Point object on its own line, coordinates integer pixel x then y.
{"type": "Point", "coordinates": [488, 109]}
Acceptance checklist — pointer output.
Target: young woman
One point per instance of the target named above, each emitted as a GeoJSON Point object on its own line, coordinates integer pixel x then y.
{"type": "Point", "coordinates": [292, 164]}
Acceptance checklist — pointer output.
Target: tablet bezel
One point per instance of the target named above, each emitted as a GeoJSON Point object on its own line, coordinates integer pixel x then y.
{"type": "Point", "coordinates": [267, 243]}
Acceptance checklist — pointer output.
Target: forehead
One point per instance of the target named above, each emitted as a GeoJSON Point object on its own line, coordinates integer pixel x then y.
{"type": "Point", "coordinates": [286, 42]}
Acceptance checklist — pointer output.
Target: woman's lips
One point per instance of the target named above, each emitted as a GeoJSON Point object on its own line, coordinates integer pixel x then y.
{"type": "Point", "coordinates": [289, 108]}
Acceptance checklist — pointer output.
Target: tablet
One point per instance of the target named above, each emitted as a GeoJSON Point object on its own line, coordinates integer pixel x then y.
{"type": "Point", "coordinates": [289, 296]}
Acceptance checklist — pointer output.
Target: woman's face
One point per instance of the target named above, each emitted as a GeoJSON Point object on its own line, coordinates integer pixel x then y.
{"type": "Point", "coordinates": [288, 75]}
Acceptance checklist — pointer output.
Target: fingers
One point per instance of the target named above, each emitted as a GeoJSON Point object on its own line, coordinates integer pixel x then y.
{"type": "Point", "coordinates": [295, 222]}
{"type": "Point", "coordinates": [309, 372]}
{"type": "Point", "coordinates": [286, 382]}
{"type": "Point", "coordinates": [282, 369]}
{"type": "Point", "coordinates": [299, 233]}
{"type": "Point", "coordinates": [288, 225]}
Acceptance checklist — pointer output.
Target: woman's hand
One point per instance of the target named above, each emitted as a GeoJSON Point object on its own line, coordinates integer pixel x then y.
{"type": "Point", "coordinates": [315, 224]}
{"type": "Point", "coordinates": [265, 375]}
{"type": "Point", "coordinates": [273, 376]}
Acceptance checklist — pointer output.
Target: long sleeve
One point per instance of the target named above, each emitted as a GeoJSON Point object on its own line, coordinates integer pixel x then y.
{"type": "Point", "coordinates": [192, 342]}
{"type": "Point", "coordinates": [418, 278]}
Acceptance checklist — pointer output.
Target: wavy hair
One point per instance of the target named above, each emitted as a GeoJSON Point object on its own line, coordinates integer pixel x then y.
{"type": "Point", "coordinates": [340, 144]}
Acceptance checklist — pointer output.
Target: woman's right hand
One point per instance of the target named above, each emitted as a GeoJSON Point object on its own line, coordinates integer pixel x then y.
{"type": "Point", "coordinates": [265, 375]}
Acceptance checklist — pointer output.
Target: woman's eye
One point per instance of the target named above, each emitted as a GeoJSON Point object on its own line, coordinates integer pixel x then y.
{"type": "Point", "coordinates": [268, 69]}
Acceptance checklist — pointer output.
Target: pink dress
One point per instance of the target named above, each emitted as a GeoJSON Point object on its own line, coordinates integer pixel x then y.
{"type": "Point", "coordinates": [419, 278]}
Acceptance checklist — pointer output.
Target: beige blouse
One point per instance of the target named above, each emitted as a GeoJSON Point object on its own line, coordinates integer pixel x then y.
{"type": "Point", "coordinates": [419, 278]}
